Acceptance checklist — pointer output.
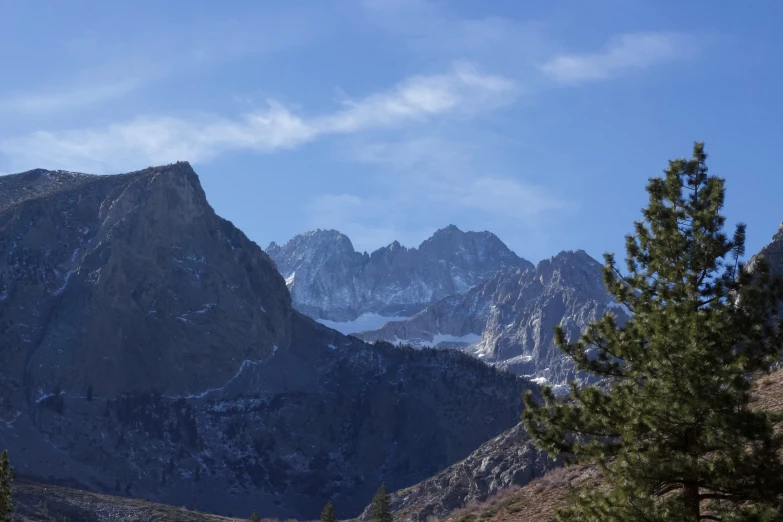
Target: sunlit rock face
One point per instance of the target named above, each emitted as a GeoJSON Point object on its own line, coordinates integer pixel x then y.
{"type": "Point", "coordinates": [509, 320]}
{"type": "Point", "coordinates": [328, 279]}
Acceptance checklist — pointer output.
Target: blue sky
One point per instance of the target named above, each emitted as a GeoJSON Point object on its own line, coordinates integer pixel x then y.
{"type": "Point", "coordinates": [387, 119]}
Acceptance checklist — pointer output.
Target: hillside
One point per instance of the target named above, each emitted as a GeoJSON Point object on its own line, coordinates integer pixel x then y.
{"type": "Point", "coordinates": [39, 502]}
{"type": "Point", "coordinates": [538, 500]}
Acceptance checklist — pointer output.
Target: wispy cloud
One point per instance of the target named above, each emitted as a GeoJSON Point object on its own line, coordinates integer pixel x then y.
{"type": "Point", "coordinates": [458, 173]}
{"type": "Point", "coordinates": [432, 29]}
{"type": "Point", "coordinates": [72, 98]}
{"type": "Point", "coordinates": [466, 181]}
{"type": "Point", "coordinates": [156, 139]}
{"type": "Point", "coordinates": [84, 69]}
{"type": "Point", "coordinates": [622, 53]}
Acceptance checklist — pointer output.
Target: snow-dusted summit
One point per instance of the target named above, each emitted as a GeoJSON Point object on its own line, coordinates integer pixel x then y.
{"type": "Point", "coordinates": [329, 280]}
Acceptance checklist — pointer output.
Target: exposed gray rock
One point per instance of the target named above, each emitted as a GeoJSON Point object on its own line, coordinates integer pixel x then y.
{"type": "Point", "coordinates": [148, 348]}
{"type": "Point", "coordinates": [515, 313]}
{"type": "Point", "coordinates": [329, 280]}
{"type": "Point", "coordinates": [510, 459]}
{"type": "Point", "coordinates": [773, 252]}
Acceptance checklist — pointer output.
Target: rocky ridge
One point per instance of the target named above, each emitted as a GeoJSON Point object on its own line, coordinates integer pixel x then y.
{"type": "Point", "coordinates": [150, 349]}
{"type": "Point", "coordinates": [328, 279]}
{"type": "Point", "coordinates": [514, 314]}
{"type": "Point", "coordinates": [508, 460]}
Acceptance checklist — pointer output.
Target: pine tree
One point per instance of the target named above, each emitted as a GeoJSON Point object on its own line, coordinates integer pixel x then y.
{"type": "Point", "coordinates": [670, 428]}
{"type": "Point", "coordinates": [6, 479]}
{"type": "Point", "coordinates": [328, 514]}
{"type": "Point", "coordinates": [380, 509]}
{"type": "Point", "coordinates": [254, 517]}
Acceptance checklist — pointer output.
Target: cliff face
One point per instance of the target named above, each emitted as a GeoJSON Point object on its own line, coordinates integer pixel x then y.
{"type": "Point", "coordinates": [509, 319]}
{"type": "Point", "coordinates": [131, 283]}
{"type": "Point", "coordinates": [149, 348]}
{"type": "Point", "coordinates": [329, 280]}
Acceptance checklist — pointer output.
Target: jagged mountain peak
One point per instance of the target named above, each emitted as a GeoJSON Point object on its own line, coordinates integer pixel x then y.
{"type": "Point", "coordinates": [327, 238]}
{"type": "Point", "coordinates": [395, 246]}
{"type": "Point", "coordinates": [508, 319]}
{"type": "Point", "coordinates": [330, 281]}
{"type": "Point", "coordinates": [779, 234]}
{"type": "Point", "coordinates": [451, 233]}
{"type": "Point", "coordinates": [569, 256]}
{"type": "Point", "coordinates": [447, 230]}
{"type": "Point", "coordinates": [322, 234]}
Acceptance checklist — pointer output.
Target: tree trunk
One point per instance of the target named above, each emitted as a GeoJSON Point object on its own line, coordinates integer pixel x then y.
{"type": "Point", "coordinates": [690, 495]}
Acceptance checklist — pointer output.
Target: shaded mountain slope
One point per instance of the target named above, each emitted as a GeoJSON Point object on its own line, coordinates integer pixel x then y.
{"type": "Point", "coordinates": [40, 502]}
{"type": "Point", "coordinates": [150, 349]}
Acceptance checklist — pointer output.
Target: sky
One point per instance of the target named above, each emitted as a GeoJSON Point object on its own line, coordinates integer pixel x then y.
{"type": "Point", "coordinates": [540, 121]}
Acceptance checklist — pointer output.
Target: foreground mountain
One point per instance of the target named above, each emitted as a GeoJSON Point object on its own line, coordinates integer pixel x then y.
{"type": "Point", "coordinates": [509, 319]}
{"type": "Point", "coordinates": [149, 349]}
{"type": "Point", "coordinates": [328, 279]}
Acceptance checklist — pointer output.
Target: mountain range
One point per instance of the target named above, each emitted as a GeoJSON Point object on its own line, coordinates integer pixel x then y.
{"type": "Point", "coordinates": [328, 279]}
{"type": "Point", "coordinates": [150, 349]}
{"type": "Point", "coordinates": [504, 317]}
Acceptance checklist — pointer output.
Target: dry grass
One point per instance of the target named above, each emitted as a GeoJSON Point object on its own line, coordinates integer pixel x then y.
{"type": "Point", "coordinates": [536, 502]}
{"type": "Point", "coordinates": [34, 501]}
{"type": "Point", "coordinates": [768, 394]}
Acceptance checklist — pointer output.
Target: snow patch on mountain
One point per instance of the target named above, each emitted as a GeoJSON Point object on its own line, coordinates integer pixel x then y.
{"type": "Point", "coordinates": [508, 321]}
{"type": "Point", "coordinates": [367, 321]}
{"type": "Point", "coordinates": [442, 341]}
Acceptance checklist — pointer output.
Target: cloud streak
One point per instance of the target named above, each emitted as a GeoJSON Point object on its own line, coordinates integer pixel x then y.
{"type": "Point", "coordinates": [159, 139]}
{"type": "Point", "coordinates": [621, 54]}
{"type": "Point", "coordinates": [462, 178]}
{"type": "Point", "coordinates": [75, 98]}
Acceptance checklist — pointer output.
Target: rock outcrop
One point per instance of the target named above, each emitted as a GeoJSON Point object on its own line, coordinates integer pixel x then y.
{"type": "Point", "coordinates": [328, 279]}
{"type": "Point", "coordinates": [149, 348]}
{"type": "Point", "coordinates": [510, 459]}
{"type": "Point", "coordinates": [773, 252]}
